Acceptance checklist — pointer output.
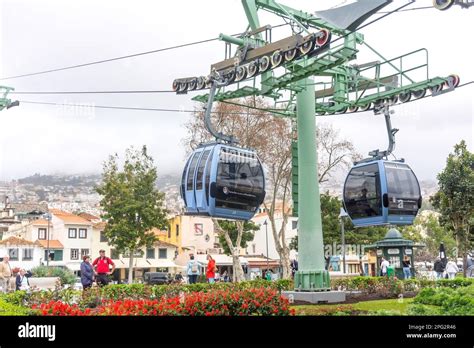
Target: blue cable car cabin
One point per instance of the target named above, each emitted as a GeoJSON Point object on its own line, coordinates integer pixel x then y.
{"type": "Point", "coordinates": [223, 181]}
{"type": "Point", "coordinates": [381, 192]}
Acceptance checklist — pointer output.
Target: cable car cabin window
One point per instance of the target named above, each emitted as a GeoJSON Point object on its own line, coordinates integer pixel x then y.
{"type": "Point", "coordinates": [403, 189]}
{"type": "Point", "coordinates": [200, 170]}
{"type": "Point", "coordinates": [208, 177]}
{"type": "Point", "coordinates": [362, 192]}
{"type": "Point", "coordinates": [192, 167]}
{"type": "Point", "coordinates": [240, 183]}
{"type": "Point", "coordinates": [183, 179]}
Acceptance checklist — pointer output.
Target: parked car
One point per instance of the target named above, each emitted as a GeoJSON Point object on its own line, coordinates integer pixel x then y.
{"type": "Point", "coordinates": [156, 278]}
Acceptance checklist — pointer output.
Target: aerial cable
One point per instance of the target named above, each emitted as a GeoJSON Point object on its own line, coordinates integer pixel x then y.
{"type": "Point", "coordinates": [120, 57]}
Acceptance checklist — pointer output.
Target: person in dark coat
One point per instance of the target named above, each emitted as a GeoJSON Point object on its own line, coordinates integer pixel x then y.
{"type": "Point", "coordinates": [22, 282]}
{"type": "Point", "coordinates": [439, 268]}
{"type": "Point", "coordinates": [87, 272]}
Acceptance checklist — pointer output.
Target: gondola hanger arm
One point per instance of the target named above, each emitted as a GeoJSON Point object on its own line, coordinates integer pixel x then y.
{"type": "Point", "coordinates": [215, 82]}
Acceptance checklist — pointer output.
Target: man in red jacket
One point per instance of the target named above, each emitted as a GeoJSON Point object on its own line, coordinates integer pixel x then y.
{"type": "Point", "coordinates": [102, 269]}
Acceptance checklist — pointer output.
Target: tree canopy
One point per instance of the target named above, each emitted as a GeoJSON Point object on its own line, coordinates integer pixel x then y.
{"type": "Point", "coordinates": [132, 204]}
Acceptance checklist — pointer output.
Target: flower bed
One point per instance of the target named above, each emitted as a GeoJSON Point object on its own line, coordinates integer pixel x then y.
{"type": "Point", "coordinates": [257, 301]}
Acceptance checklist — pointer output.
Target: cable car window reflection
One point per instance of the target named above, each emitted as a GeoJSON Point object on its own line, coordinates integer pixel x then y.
{"type": "Point", "coordinates": [208, 177]}
{"type": "Point", "coordinates": [200, 170]}
{"type": "Point", "coordinates": [362, 192]}
{"type": "Point", "coordinates": [403, 189]}
{"type": "Point", "coordinates": [192, 167]}
{"type": "Point", "coordinates": [239, 181]}
{"type": "Point", "coordinates": [183, 180]}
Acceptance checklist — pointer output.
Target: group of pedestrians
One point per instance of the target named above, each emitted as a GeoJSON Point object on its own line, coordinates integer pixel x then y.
{"type": "Point", "coordinates": [193, 271]}
{"type": "Point", "coordinates": [6, 274]}
{"type": "Point", "coordinates": [445, 269]}
{"type": "Point", "coordinates": [406, 266]}
{"type": "Point", "coordinates": [98, 271]}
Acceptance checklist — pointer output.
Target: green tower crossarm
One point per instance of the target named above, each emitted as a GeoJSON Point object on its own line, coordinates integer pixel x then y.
{"type": "Point", "coordinates": [4, 101]}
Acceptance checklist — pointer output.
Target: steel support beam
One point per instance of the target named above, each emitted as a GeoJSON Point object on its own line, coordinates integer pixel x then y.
{"type": "Point", "coordinates": [311, 274]}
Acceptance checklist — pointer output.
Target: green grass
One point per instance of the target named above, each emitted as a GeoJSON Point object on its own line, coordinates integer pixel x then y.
{"type": "Point", "coordinates": [395, 306]}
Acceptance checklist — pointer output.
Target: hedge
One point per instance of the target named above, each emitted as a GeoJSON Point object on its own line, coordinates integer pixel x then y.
{"type": "Point", "coordinates": [10, 309]}
{"type": "Point", "coordinates": [66, 276]}
{"type": "Point", "coordinates": [450, 301]}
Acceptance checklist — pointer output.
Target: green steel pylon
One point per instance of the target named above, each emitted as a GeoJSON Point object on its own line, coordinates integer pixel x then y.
{"type": "Point", "coordinates": [353, 87]}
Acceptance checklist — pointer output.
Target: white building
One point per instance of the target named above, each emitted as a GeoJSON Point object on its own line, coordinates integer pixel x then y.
{"type": "Point", "coordinates": [259, 244]}
{"type": "Point", "coordinates": [197, 234]}
{"type": "Point", "coordinates": [67, 237]}
{"type": "Point", "coordinates": [23, 253]}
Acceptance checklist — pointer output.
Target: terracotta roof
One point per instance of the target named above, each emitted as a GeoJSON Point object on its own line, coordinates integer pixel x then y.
{"type": "Point", "coordinates": [29, 207]}
{"type": "Point", "coordinates": [89, 217]}
{"type": "Point", "coordinates": [159, 233]}
{"type": "Point", "coordinates": [166, 244]}
{"type": "Point", "coordinates": [69, 218]}
{"type": "Point", "coordinates": [53, 244]}
{"type": "Point", "coordinates": [16, 241]}
{"type": "Point", "coordinates": [100, 225]}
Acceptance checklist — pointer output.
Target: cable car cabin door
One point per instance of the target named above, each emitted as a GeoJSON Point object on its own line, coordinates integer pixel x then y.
{"type": "Point", "coordinates": [202, 179]}
{"type": "Point", "coordinates": [237, 184]}
{"type": "Point", "coordinates": [189, 175]}
{"type": "Point", "coordinates": [403, 194]}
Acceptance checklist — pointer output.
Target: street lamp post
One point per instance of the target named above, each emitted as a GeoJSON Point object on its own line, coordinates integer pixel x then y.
{"type": "Point", "coordinates": [47, 216]}
{"type": "Point", "coordinates": [343, 214]}
{"type": "Point", "coordinates": [266, 238]}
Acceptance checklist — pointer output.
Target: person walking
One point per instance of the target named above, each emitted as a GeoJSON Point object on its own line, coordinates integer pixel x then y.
{"type": "Point", "coordinates": [451, 269]}
{"type": "Point", "coordinates": [5, 274]}
{"type": "Point", "coordinates": [211, 269]}
{"type": "Point", "coordinates": [406, 267]}
{"type": "Point", "coordinates": [102, 268]}
{"type": "Point", "coordinates": [225, 277]}
{"type": "Point", "coordinates": [192, 270]}
{"type": "Point", "coordinates": [178, 278]}
{"type": "Point", "coordinates": [22, 282]}
{"type": "Point", "coordinates": [470, 267]}
{"type": "Point", "coordinates": [268, 275]}
{"type": "Point", "coordinates": [87, 272]}
{"type": "Point", "coordinates": [294, 268]}
{"type": "Point", "coordinates": [439, 268]}
{"type": "Point", "coordinates": [384, 267]}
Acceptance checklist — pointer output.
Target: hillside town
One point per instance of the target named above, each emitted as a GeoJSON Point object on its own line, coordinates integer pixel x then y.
{"type": "Point", "coordinates": [75, 229]}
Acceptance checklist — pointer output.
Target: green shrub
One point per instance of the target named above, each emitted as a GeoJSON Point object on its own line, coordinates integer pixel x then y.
{"type": "Point", "coordinates": [10, 309]}
{"type": "Point", "coordinates": [450, 301]}
{"type": "Point", "coordinates": [386, 286]}
{"type": "Point", "coordinates": [65, 275]}
{"type": "Point", "coordinates": [455, 283]}
{"type": "Point", "coordinates": [418, 309]}
{"type": "Point", "coordinates": [17, 298]}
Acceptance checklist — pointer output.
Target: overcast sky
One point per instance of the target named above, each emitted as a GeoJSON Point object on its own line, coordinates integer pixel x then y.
{"type": "Point", "coordinates": [41, 35]}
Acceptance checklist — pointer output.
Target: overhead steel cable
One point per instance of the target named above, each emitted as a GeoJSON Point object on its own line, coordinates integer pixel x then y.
{"type": "Point", "coordinates": [128, 108]}
{"type": "Point", "coordinates": [110, 59]}
{"type": "Point", "coordinates": [120, 57]}
{"type": "Point", "coordinates": [155, 51]}
{"type": "Point", "coordinates": [94, 92]}
{"type": "Point", "coordinates": [177, 110]}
